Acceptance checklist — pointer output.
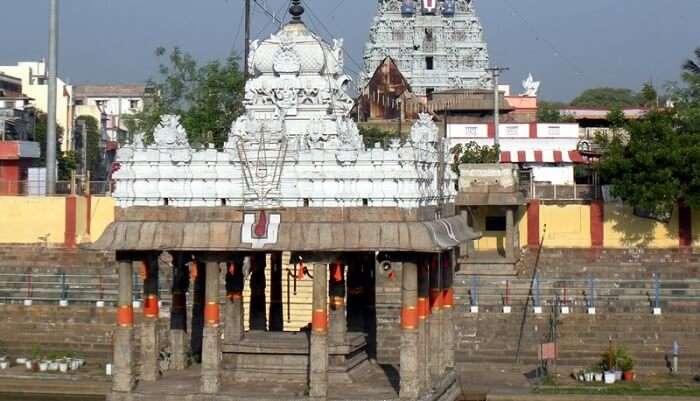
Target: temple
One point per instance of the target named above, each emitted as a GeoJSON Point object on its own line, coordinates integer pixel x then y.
{"type": "Point", "coordinates": [294, 194]}
{"type": "Point", "coordinates": [436, 44]}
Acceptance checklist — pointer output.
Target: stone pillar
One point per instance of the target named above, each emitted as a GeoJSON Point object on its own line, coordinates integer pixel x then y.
{"type": "Point", "coordinates": [178, 315]}
{"type": "Point", "coordinates": [423, 306]}
{"type": "Point", "coordinates": [198, 278]}
{"type": "Point", "coordinates": [435, 319]}
{"type": "Point", "coordinates": [211, 347]}
{"type": "Point", "coordinates": [336, 290]}
{"type": "Point", "coordinates": [356, 301]}
{"type": "Point", "coordinates": [449, 261]}
{"type": "Point", "coordinates": [124, 332]}
{"type": "Point", "coordinates": [467, 249]}
{"type": "Point", "coordinates": [510, 232]}
{"type": "Point", "coordinates": [318, 355]}
{"type": "Point", "coordinates": [233, 309]}
{"type": "Point", "coordinates": [276, 306]}
{"type": "Point", "coordinates": [408, 365]}
{"type": "Point", "coordinates": [258, 315]}
{"type": "Point", "coordinates": [150, 344]}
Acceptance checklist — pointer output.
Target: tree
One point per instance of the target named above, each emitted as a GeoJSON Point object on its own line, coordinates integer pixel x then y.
{"type": "Point", "coordinates": [372, 135]}
{"type": "Point", "coordinates": [607, 98]}
{"type": "Point", "coordinates": [692, 66]}
{"type": "Point", "coordinates": [66, 160]}
{"type": "Point", "coordinates": [649, 95]}
{"type": "Point", "coordinates": [94, 153]}
{"type": "Point", "coordinates": [549, 112]}
{"type": "Point", "coordinates": [473, 153]}
{"type": "Point", "coordinates": [208, 97]}
{"type": "Point", "coordinates": [659, 164]}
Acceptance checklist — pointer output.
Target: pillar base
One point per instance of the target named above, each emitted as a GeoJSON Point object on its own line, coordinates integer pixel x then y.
{"type": "Point", "coordinates": [318, 375]}
{"type": "Point", "coordinates": [123, 378]}
{"type": "Point", "coordinates": [211, 361]}
{"type": "Point", "coordinates": [178, 360]}
{"type": "Point", "coordinates": [408, 367]}
{"type": "Point", "coordinates": [150, 350]}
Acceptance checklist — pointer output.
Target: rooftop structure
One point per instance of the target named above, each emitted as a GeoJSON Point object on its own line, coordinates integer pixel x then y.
{"type": "Point", "coordinates": [436, 44]}
{"type": "Point", "coordinates": [108, 104]}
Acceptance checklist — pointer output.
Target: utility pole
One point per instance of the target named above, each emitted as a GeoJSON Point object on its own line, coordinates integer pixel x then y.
{"type": "Point", "coordinates": [246, 68]}
{"type": "Point", "coordinates": [52, 93]}
{"type": "Point", "coordinates": [495, 74]}
{"type": "Point", "coordinates": [83, 151]}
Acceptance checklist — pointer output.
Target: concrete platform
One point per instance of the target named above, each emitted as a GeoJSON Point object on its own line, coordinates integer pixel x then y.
{"type": "Point", "coordinates": [380, 384]}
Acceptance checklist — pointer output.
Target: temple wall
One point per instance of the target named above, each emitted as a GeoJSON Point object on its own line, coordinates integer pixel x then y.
{"type": "Point", "coordinates": [574, 225]}
{"type": "Point", "coordinates": [27, 218]}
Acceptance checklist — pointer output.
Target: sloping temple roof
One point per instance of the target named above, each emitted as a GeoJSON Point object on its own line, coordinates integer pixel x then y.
{"type": "Point", "coordinates": [402, 236]}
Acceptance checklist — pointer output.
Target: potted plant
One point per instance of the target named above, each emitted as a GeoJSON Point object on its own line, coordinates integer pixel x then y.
{"type": "Point", "coordinates": [63, 365]}
{"type": "Point", "coordinates": [33, 364]}
{"type": "Point", "coordinates": [626, 364]}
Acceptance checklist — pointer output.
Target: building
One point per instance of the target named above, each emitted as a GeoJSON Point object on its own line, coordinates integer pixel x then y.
{"type": "Point", "coordinates": [109, 104]}
{"type": "Point", "coordinates": [436, 44]}
{"type": "Point", "coordinates": [17, 149]}
{"type": "Point", "coordinates": [295, 179]}
{"type": "Point", "coordinates": [34, 79]}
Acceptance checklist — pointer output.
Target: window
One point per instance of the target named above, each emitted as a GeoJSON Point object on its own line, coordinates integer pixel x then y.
{"type": "Point", "coordinates": [79, 102]}
{"type": "Point", "coordinates": [133, 104]}
{"type": "Point", "coordinates": [429, 93]}
{"type": "Point", "coordinates": [554, 130]}
{"type": "Point", "coordinates": [429, 63]}
{"type": "Point", "coordinates": [100, 103]}
{"type": "Point", "coordinates": [495, 223]}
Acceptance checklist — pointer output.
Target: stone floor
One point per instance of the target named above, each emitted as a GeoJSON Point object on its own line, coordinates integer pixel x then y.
{"type": "Point", "coordinates": [184, 385]}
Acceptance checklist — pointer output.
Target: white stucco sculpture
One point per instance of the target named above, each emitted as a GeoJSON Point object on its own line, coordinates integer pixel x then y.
{"type": "Point", "coordinates": [294, 146]}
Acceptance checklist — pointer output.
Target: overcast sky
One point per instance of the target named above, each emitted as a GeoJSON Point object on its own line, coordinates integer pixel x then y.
{"type": "Point", "coordinates": [569, 45]}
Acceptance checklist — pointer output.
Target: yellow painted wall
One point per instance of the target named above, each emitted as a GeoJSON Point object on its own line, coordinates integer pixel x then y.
{"type": "Point", "coordinates": [102, 214]}
{"type": "Point", "coordinates": [568, 226]}
{"type": "Point", "coordinates": [25, 219]}
{"type": "Point", "coordinates": [490, 240]}
{"type": "Point", "coordinates": [623, 229]}
{"type": "Point", "coordinates": [81, 220]}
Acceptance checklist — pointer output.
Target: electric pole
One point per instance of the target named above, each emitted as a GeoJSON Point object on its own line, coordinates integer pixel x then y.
{"type": "Point", "coordinates": [495, 74]}
{"type": "Point", "coordinates": [246, 69]}
{"type": "Point", "coordinates": [52, 93]}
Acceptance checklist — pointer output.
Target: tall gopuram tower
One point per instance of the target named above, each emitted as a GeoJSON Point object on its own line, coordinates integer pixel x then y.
{"type": "Point", "coordinates": [437, 44]}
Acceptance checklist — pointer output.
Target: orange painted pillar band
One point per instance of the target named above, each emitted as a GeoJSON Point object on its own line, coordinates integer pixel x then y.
{"type": "Point", "coordinates": [423, 308]}
{"type": "Point", "coordinates": [435, 298]}
{"type": "Point", "coordinates": [70, 232]}
{"type": "Point", "coordinates": [150, 306]}
{"type": "Point", "coordinates": [409, 318]}
{"type": "Point", "coordinates": [448, 298]}
{"type": "Point", "coordinates": [211, 313]}
{"type": "Point", "coordinates": [319, 321]}
{"type": "Point", "coordinates": [125, 316]}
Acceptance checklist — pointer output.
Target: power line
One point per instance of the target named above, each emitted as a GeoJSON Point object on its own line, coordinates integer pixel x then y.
{"type": "Point", "coordinates": [539, 37]}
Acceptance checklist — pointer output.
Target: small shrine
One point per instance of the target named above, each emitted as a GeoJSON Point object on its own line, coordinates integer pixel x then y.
{"type": "Point", "coordinates": [294, 193]}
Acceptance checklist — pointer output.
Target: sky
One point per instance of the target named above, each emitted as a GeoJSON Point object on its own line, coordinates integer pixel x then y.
{"type": "Point", "coordinates": [568, 45]}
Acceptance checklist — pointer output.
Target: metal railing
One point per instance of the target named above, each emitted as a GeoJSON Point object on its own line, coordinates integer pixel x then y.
{"type": "Point", "coordinates": [564, 192]}
{"type": "Point", "coordinates": [38, 188]}
{"type": "Point", "coordinates": [588, 292]}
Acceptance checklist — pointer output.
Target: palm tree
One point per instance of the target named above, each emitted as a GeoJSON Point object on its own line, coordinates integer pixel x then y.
{"type": "Point", "coordinates": [693, 66]}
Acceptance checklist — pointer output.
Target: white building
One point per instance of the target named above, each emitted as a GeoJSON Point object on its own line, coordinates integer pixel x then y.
{"type": "Point", "coordinates": [34, 78]}
{"type": "Point", "coordinates": [296, 146]}
{"type": "Point", "coordinates": [550, 150]}
{"type": "Point", "coordinates": [111, 103]}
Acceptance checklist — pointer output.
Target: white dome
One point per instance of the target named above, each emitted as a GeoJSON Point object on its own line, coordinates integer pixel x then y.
{"type": "Point", "coordinates": [293, 50]}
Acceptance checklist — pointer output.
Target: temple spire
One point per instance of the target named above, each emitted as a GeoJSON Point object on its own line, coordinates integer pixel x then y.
{"type": "Point", "coordinates": [296, 10]}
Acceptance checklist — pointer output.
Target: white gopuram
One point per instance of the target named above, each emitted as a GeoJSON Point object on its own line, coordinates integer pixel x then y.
{"type": "Point", "coordinates": [436, 44]}
{"type": "Point", "coordinates": [294, 147]}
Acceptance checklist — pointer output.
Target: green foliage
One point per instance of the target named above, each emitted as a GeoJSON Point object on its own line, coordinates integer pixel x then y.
{"type": "Point", "coordinates": [207, 97]}
{"type": "Point", "coordinates": [36, 353]}
{"type": "Point", "coordinates": [692, 65]}
{"type": "Point", "coordinates": [548, 112]}
{"type": "Point", "coordinates": [65, 160]}
{"type": "Point", "coordinates": [94, 154]}
{"type": "Point", "coordinates": [660, 162]}
{"type": "Point", "coordinates": [616, 358]}
{"type": "Point", "coordinates": [473, 153]}
{"type": "Point", "coordinates": [607, 98]}
{"type": "Point", "coordinates": [372, 135]}
{"type": "Point", "coordinates": [649, 95]}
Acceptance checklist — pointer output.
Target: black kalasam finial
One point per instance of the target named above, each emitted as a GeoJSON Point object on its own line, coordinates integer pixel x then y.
{"type": "Point", "coordinates": [296, 10]}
